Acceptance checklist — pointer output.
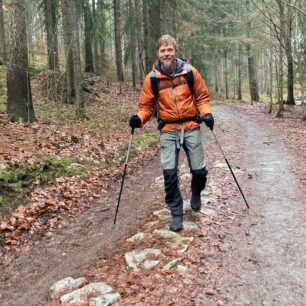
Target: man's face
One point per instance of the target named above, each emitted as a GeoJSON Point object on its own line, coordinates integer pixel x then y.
{"type": "Point", "coordinates": [167, 56]}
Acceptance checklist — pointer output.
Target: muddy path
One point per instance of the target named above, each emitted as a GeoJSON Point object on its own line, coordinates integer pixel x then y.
{"type": "Point", "coordinates": [26, 280]}
{"type": "Point", "coordinates": [267, 263]}
{"type": "Point", "coordinates": [264, 262]}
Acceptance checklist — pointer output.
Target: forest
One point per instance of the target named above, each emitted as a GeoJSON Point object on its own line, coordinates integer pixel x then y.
{"type": "Point", "coordinates": [71, 72]}
{"type": "Point", "coordinates": [246, 50]}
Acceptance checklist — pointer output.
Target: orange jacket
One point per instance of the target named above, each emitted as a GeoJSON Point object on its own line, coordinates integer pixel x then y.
{"type": "Point", "coordinates": [175, 99]}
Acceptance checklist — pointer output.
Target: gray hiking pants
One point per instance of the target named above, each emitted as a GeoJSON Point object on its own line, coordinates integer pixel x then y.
{"type": "Point", "coordinates": [169, 155]}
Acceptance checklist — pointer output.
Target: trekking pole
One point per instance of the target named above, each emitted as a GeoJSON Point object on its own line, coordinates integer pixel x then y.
{"type": "Point", "coordinates": [124, 172]}
{"type": "Point", "coordinates": [246, 203]}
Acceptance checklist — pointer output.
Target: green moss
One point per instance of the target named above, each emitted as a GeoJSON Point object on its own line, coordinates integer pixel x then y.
{"type": "Point", "coordinates": [37, 64]}
{"type": "Point", "coordinates": [15, 179]}
{"type": "Point", "coordinates": [144, 140]}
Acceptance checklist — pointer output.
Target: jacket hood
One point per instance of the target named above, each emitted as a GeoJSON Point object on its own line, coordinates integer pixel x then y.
{"type": "Point", "coordinates": [178, 67]}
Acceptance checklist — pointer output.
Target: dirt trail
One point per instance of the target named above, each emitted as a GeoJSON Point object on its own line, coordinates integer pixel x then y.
{"type": "Point", "coordinates": [27, 279]}
{"type": "Point", "coordinates": [265, 263]}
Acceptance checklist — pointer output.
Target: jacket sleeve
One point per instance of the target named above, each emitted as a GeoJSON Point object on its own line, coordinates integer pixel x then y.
{"type": "Point", "coordinates": [146, 101]}
{"type": "Point", "coordinates": [202, 98]}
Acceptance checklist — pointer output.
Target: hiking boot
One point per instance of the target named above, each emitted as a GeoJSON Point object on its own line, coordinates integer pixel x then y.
{"type": "Point", "coordinates": [176, 224]}
{"type": "Point", "coordinates": [195, 202]}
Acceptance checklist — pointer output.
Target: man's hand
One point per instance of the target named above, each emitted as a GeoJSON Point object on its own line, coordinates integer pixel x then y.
{"type": "Point", "coordinates": [134, 122]}
{"type": "Point", "coordinates": [209, 120]}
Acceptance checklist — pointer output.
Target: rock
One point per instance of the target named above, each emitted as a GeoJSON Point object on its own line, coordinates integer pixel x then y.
{"type": "Point", "coordinates": [212, 186]}
{"type": "Point", "coordinates": [159, 180]}
{"type": "Point", "coordinates": [183, 249]}
{"type": "Point", "coordinates": [149, 264]}
{"type": "Point", "coordinates": [162, 214]}
{"type": "Point", "coordinates": [165, 233]}
{"type": "Point", "coordinates": [136, 237]}
{"type": "Point", "coordinates": [218, 164]}
{"type": "Point", "coordinates": [181, 268]}
{"type": "Point", "coordinates": [190, 226]}
{"type": "Point", "coordinates": [206, 212]}
{"type": "Point", "coordinates": [186, 206]}
{"type": "Point", "coordinates": [105, 300]}
{"type": "Point", "coordinates": [202, 270]}
{"type": "Point", "coordinates": [206, 192]}
{"type": "Point", "coordinates": [185, 177]}
{"type": "Point", "coordinates": [151, 224]}
{"type": "Point", "coordinates": [66, 284]}
{"type": "Point", "coordinates": [172, 264]}
{"type": "Point", "coordinates": [75, 297]}
{"type": "Point", "coordinates": [135, 258]}
{"type": "Point", "coordinates": [180, 242]}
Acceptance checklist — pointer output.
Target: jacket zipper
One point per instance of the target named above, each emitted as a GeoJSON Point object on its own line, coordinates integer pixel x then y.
{"type": "Point", "coordinates": [174, 99]}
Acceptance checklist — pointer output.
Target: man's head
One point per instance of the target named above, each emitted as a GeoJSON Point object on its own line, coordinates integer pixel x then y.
{"type": "Point", "coordinates": [167, 52]}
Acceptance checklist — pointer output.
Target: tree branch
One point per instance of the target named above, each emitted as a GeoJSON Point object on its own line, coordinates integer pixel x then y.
{"type": "Point", "coordinates": [295, 7]}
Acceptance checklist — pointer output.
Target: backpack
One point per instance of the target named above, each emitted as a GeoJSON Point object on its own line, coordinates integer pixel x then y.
{"type": "Point", "coordinates": [155, 87]}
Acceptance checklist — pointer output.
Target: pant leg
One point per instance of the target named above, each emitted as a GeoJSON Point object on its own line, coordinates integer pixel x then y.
{"type": "Point", "coordinates": [193, 147]}
{"type": "Point", "coordinates": [169, 160]}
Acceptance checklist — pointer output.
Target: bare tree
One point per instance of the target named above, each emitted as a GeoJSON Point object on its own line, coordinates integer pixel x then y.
{"type": "Point", "coordinates": [19, 96]}
{"type": "Point", "coordinates": [50, 7]}
{"type": "Point", "coordinates": [2, 37]}
{"type": "Point", "coordinates": [88, 33]}
{"type": "Point", "coordinates": [117, 28]}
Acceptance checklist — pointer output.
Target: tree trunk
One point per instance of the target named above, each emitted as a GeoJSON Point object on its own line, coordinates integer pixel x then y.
{"type": "Point", "coordinates": [239, 89]}
{"type": "Point", "coordinates": [2, 37]}
{"type": "Point", "coordinates": [139, 40]}
{"type": "Point", "coordinates": [101, 46]}
{"type": "Point", "coordinates": [72, 49]}
{"type": "Point", "coordinates": [94, 37]}
{"type": "Point", "coordinates": [117, 28]}
{"type": "Point", "coordinates": [281, 58]}
{"type": "Point", "coordinates": [88, 33]}
{"type": "Point", "coordinates": [68, 40]}
{"type": "Point", "coordinates": [216, 75]}
{"type": "Point", "coordinates": [19, 96]}
{"type": "Point", "coordinates": [51, 30]}
{"type": "Point", "coordinates": [146, 36]}
{"type": "Point", "coordinates": [290, 77]}
{"type": "Point", "coordinates": [225, 74]}
{"type": "Point", "coordinates": [271, 79]}
{"type": "Point", "coordinates": [281, 82]}
{"type": "Point", "coordinates": [251, 65]}
{"type": "Point", "coordinates": [133, 41]}
{"type": "Point", "coordinates": [154, 28]}
{"type": "Point", "coordinates": [80, 110]}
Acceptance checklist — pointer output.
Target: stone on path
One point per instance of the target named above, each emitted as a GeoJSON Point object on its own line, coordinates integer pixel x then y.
{"type": "Point", "coordinates": [190, 226]}
{"type": "Point", "coordinates": [218, 164]}
{"type": "Point", "coordinates": [205, 212]}
{"type": "Point", "coordinates": [172, 264]}
{"type": "Point", "coordinates": [136, 257]}
{"type": "Point", "coordinates": [165, 233]}
{"type": "Point", "coordinates": [180, 242]}
{"type": "Point", "coordinates": [162, 214]}
{"type": "Point", "coordinates": [66, 284]}
{"type": "Point", "coordinates": [181, 268]}
{"type": "Point", "coordinates": [150, 264]}
{"type": "Point", "coordinates": [136, 237]}
{"type": "Point", "coordinates": [78, 296]}
{"type": "Point", "coordinates": [105, 300]}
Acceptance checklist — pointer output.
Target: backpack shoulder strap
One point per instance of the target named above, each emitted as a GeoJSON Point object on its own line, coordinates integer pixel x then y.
{"type": "Point", "coordinates": [154, 84]}
{"type": "Point", "coordinates": [189, 78]}
{"type": "Point", "coordinates": [155, 88]}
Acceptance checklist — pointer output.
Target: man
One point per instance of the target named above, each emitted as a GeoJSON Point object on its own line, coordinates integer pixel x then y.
{"type": "Point", "coordinates": [180, 111]}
